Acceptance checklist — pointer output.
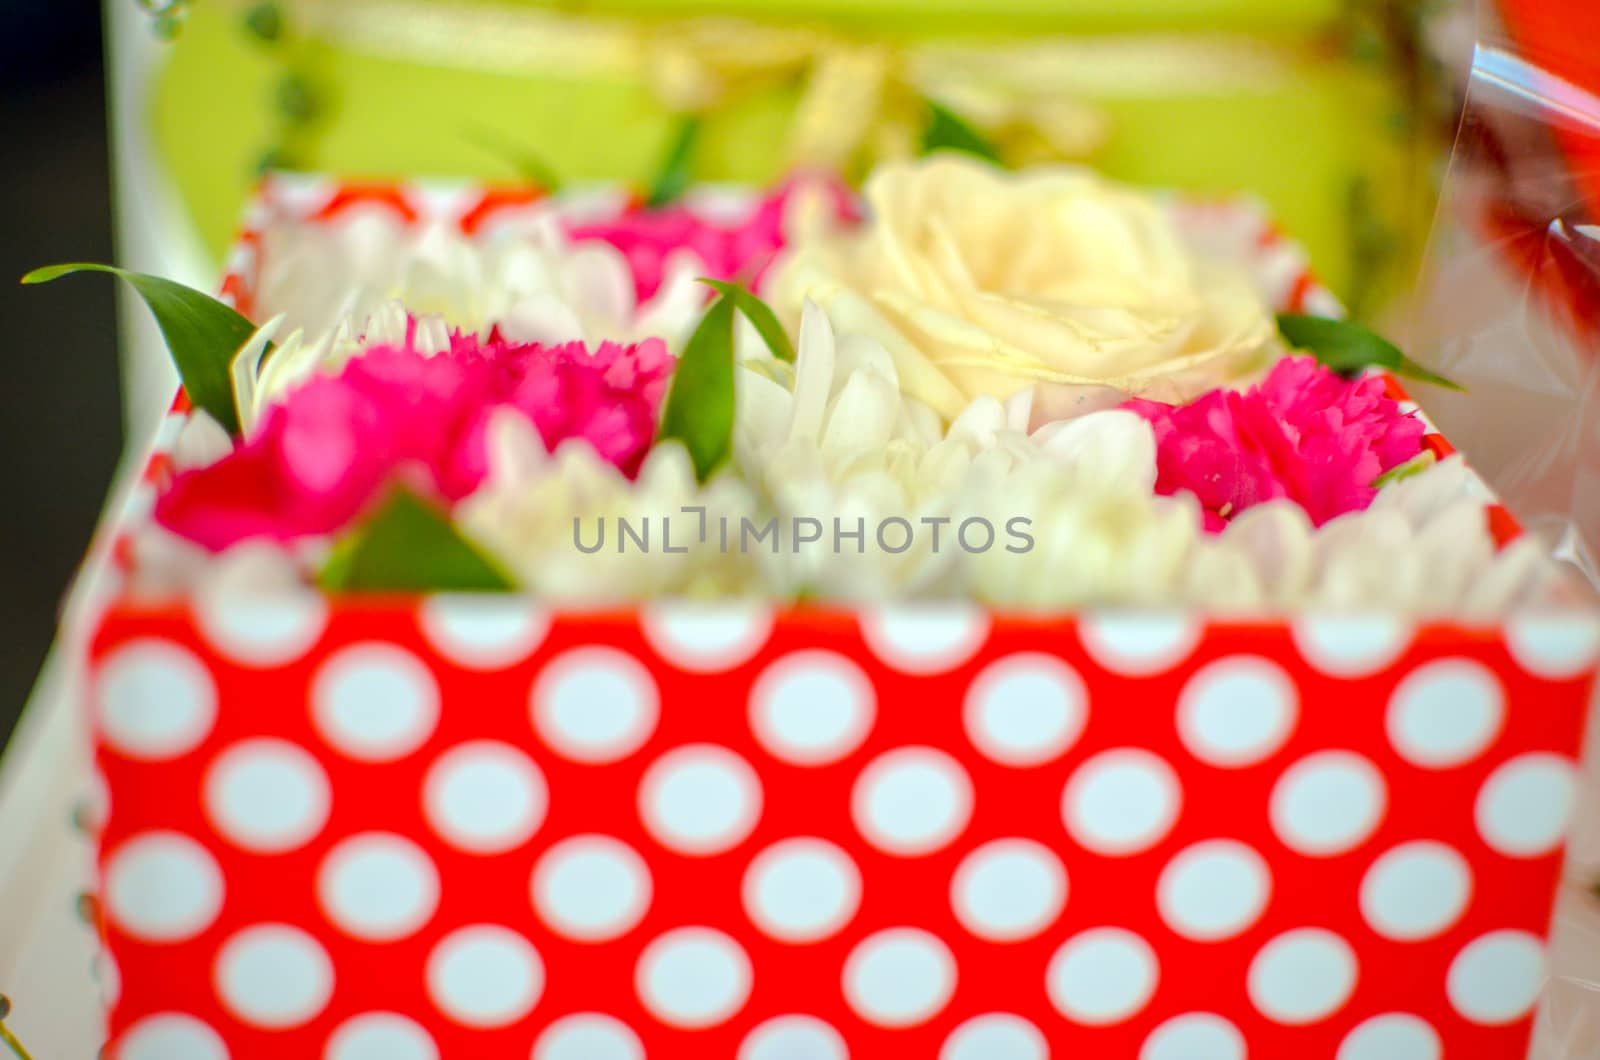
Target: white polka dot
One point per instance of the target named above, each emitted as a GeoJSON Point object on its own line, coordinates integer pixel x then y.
{"type": "Point", "coordinates": [794, 1038]}
{"type": "Point", "coordinates": [812, 707]}
{"type": "Point", "coordinates": [899, 977]}
{"type": "Point", "coordinates": [140, 504]}
{"type": "Point", "coordinates": [700, 799]}
{"type": "Point", "coordinates": [1415, 890]}
{"type": "Point", "coordinates": [595, 704]}
{"type": "Point", "coordinates": [485, 976]}
{"type": "Point", "coordinates": [381, 1036]}
{"type": "Point", "coordinates": [1496, 978]}
{"type": "Point", "coordinates": [995, 1036]}
{"type": "Point", "coordinates": [1327, 803]}
{"type": "Point", "coordinates": [801, 890]}
{"type": "Point", "coordinates": [378, 886]}
{"type": "Point", "coordinates": [1391, 1036]}
{"type": "Point", "coordinates": [706, 637]}
{"type": "Point", "coordinates": [1008, 889]}
{"type": "Point", "coordinates": [1121, 801]}
{"type": "Point", "coordinates": [1556, 647]}
{"type": "Point", "coordinates": [693, 977]}
{"type": "Point", "coordinates": [926, 638]}
{"type": "Point", "coordinates": [1302, 976]}
{"type": "Point", "coordinates": [485, 797]}
{"type": "Point", "coordinates": [1351, 646]}
{"type": "Point", "coordinates": [268, 796]}
{"type": "Point", "coordinates": [108, 977]}
{"type": "Point", "coordinates": [588, 1036]}
{"type": "Point", "coordinates": [94, 808]}
{"type": "Point", "coordinates": [162, 887]}
{"type": "Point", "coordinates": [1102, 976]}
{"type": "Point", "coordinates": [273, 976]}
{"type": "Point", "coordinates": [911, 801]}
{"type": "Point", "coordinates": [263, 629]}
{"type": "Point", "coordinates": [154, 700]}
{"type": "Point", "coordinates": [1195, 1036]}
{"type": "Point", "coordinates": [1139, 645]}
{"type": "Point", "coordinates": [375, 702]}
{"type": "Point", "coordinates": [1025, 709]}
{"type": "Point", "coordinates": [1213, 890]}
{"type": "Point", "coordinates": [1445, 713]}
{"type": "Point", "coordinates": [1523, 809]}
{"type": "Point", "coordinates": [170, 1036]}
{"type": "Point", "coordinates": [483, 631]}
{"type": "Point", "coordinates": [1237, 711]}
{"type": "Point", "coordinates": [591, 888]}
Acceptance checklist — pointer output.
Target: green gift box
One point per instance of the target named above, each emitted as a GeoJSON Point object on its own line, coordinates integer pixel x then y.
{"type": "Point", "coordinates": [1298, 102]}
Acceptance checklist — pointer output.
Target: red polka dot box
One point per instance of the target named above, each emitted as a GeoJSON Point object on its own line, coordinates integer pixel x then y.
{"type": "Point", "coordinates": [467, 827]}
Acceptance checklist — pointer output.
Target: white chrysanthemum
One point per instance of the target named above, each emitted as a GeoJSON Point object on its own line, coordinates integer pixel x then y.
{"type": "Point", "coordinates": [555, 521]}
{"type": "Point", "coordinates": [1424, 547]}
{"type": "Point", "coordinates": [843, 446]}
{"type": "Point", "coordinates": [1088, 547]}
{"type": "Point", "coordinates": [262, 375]}
{"type": "Point", "coordinates": [532, 280]}
{"type": "Point", "coordinates": [354, 285]}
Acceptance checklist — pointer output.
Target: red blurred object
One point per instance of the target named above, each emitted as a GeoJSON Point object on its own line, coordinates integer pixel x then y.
{"type": "Point", "coordinates": [1563, 36]}
{"type": "Point", "coordinates": [1537, 221]}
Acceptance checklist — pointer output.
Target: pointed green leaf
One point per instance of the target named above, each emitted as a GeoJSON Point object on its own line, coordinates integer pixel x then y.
{"type": "Point", "coordinates": [1346, 346]}
{"type": "Point", "coordinates": [409, 545]}
{"type": "Point", "coordinates": [1415, 466]}
{"type": "Point", "coordinates": [201, 333]}
{"type": "Point", "coordinates": [699, 410]}
{"type": "Point", "coordinates": [948, 131]}
{"type": "Point", "coordinates": [758, 313]}
{"type": "Point", "coordinates": [676, 167]}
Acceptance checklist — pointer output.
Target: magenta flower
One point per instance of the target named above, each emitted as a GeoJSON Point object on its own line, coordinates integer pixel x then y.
{"type": "Point", "coordinates": [324, 453]}
{"type": "Point", "coordinates": [728, 250]}
{"type": "Point", "coordinates": [1303, 433]}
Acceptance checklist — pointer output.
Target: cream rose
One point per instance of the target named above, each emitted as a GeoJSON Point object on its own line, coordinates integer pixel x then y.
{"type": "Point", "coordinates": [980, 281]}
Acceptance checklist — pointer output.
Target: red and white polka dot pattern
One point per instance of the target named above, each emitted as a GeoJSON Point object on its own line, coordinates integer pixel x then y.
{"type": "Point", "coordinates": [463, 826]}
{"type": "Point", "coordinates": [812, 833]}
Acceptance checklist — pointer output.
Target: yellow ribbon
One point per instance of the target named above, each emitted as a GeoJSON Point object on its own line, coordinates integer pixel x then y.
{"type": "Point", "coordinates": [856, 98]}
{"type": "Point", "coordinates": [855, 95]}
{"type": "Point", "coordinates": [859, 100]}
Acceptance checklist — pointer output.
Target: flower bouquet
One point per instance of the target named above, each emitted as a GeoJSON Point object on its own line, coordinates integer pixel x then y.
{"type": "Point", "coordinates": [1004, 615]}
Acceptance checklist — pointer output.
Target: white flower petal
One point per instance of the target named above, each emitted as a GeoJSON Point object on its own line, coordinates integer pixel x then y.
{"type": "Point", "coordinates": [813, 375]}
{"type": "Point", "coordinates": [544, 318]}
{"type": "Point", "coordinates": [201, 442]}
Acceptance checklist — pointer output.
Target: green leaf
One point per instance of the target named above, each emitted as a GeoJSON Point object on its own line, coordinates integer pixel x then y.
{"type": "Point", "coordinates": [528, 166]}
{"type": "Point", "coordinates": [1416, 465]}
{"type": "Point", "coordinates": [758, 313]}
{"type": "Point", "coordinates": [699, 410]}
{"type": "Point", "coordinates": [948, 131]}
{"type": "Point", "coordinates": [1346, 346]}
{"type": "Point", "coordinates": [675, 172]}
{"type": "Point", "coordinates": [265, 21]}
{"type": "Point", "coordinates": [201, 333]}
{"type": "Point", "coordinates": [409, 545]}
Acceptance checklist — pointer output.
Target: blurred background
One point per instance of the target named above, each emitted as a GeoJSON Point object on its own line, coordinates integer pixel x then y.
{"type": "Point", "coordinates": [60, 405]}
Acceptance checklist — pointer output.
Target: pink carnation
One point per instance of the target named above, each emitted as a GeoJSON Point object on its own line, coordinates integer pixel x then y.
{"type": "Point", "coordinates": [740, 250]}
{"type": "Point", "coordinates": [323, 454]}
{"type": "Point", "coordinates": [1303, 433]}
